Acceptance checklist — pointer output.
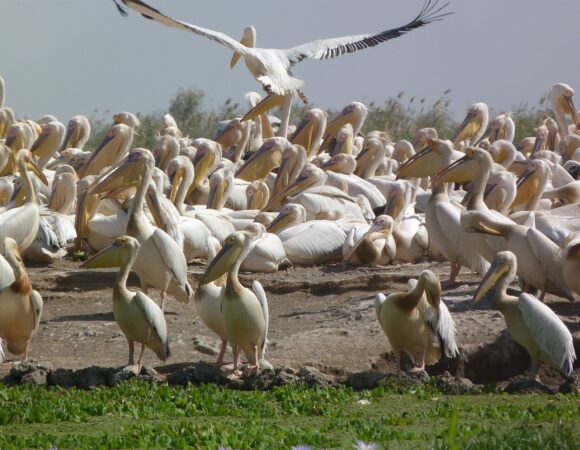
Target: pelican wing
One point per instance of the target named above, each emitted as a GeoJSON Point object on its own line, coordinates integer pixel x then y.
{"type": "Point", "coordinates": [261, 295]}
{"type": "Point", "coordinates": [58, 195]}
{"type": "Point", "coordinates": [157, 16]}
{"type": "Point", "coordinates": [153, 314]}
{"type": "Point", "coordinates": [331, 48]}
{"type": "Point", "coordinates": [442, 324]}
{"type": "Point", "coordinates": [549, 332]}
{"type": "Point", "coordinates": [313, 242]}
{"type": "Point", "coordinates": [2, 355]}
{"type": "Point", "coordinates": [172, 256]}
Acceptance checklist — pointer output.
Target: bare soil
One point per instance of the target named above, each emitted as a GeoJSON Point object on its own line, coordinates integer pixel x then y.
{"type": "Point", "coordinates": [319, 316]}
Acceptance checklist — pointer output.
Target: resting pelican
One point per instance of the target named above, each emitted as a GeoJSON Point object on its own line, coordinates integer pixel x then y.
{"type": "Point", "coordinates": [245, 311]}
{"type": "Point", "coordinates": [111, 150]}
{"type": "Point", "coordinates": [473, 126]}
{"type": "Point", "coordinates": [77, 134]}
{"type": "Point", "coordinates": [20, 305]}
{"type": "Point", "coordinates": [264, 160]}
{"type": "Point", "coordinates": [418, 321]}
{"type": "Point", "coordinates": [127, 118]}
{"type": "Point", "coordinates": [271, 67]}
{"type": "Point", "coordinates": [268, 254]}
{"type": "Point", "coordinates": [371, 244]}
{"type": "Point", "coordinates": [532, 324]}
{"type": "Point", "coordinates": [165, 149]}
{"type": "Point", "coordinates": [63, 195]}
{"type": "Point", "coordinates": [139, 317]}
{"type": "Point", "coordinates": [169, 273]}
{"type": "Point", "coordinates": [47, 143]}
{"type": "Point", "coordinates": [310, 131]}
{"type": "Point", "coordinates": [562, 104]}
{"type": "Point", "coordinates": [21, 223]}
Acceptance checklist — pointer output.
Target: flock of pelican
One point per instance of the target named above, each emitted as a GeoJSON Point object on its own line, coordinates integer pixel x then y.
{"type": "Point", "coordinates": [264, 195]}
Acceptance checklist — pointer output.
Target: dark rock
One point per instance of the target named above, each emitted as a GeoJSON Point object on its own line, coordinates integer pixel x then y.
{"type": "Point", "coordinates": [314, 378]}
{"type": "Point", "coordinates": [285, 376]}
{"type": "Point", "coordinates": [364, 380]}
{"type": "Point", "coordinates": [206, 372]}
{"type": "Point", "coordinates": [37, 377]}
{"type": "Point", "coordinates": [122, 375]}
{"type": "Point", "coordinates": [182, 377]}
{"type": "Point", "coordinates": [400, 382]}
{"type": "Point", "coordinates": [454, 366]}
{"type": "Point", "coordinates": [261, 381]}
{"type": "Point", "coordinates": [62, 378]}
{"type": "Point", "coordinates": [151, 375]}
{"type": "Point", "coordinates": [527, 386]}
{"type": "Point", "coordinates": [451, 385]}
{"type": "Point", "coordinates": [572, 384]}
{"type": "Point", "coordinates": [93, 376]}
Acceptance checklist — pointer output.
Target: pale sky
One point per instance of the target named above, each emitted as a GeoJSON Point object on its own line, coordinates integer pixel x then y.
{"type": "Point", "coordinates": [67, 57]}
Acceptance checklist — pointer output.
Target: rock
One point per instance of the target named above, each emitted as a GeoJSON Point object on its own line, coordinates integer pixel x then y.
{"type": "Point", "coordinates": [124, 374]}
{"type": "Point", "coordinates": [451, 385]}
{"type": "Point", "coordinates": [261, 381]}
{"type": "Point", "coordinates": [205, 346]}
{"type": "Point", "coordinates": [21, 368]}
{"type": "Point", "coordinates": [62, 378]}
{"type": "Point", "coordinates": [151, 375]}
{"type": "Point", "coordinates": [94, 376]}
{"type": "Point", "coordinates": [182, 377]}
{"type": "Point", "coordinates": [285, 376]}
{"type": "Point", "coordinates": [314, 378]}
{"type": "Point", "coordinates": [364, 380]}
{"type": "Point", "coordinates": [206, 373]}
{"type": "Point", "coordinates": [37, 377]}
{"type": "Point", "coordinates": [527, 386]}
{"type": "Point", "coordinates": [572, 384]}
{"type": "Point", "coordinates": [401, 382]}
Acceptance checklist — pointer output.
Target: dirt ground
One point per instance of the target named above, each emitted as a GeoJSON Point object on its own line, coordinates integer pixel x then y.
{"type": "Point", "coordinates": [319, 316]}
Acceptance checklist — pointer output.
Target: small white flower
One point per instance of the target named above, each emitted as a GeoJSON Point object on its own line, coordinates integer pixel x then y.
{"type": "Point", "coordinates": [360, 445]}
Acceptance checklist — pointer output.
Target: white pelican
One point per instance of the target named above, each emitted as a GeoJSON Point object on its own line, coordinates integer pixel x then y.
{"type": "Point", "coordinates": [245, 311]}
{"type": "Point", "coordinates": [165, 149]}
{"type": "Point", "coordinates": [18, 137]}
{"type": "Point", "coordinates": [373, 244]}
{"type": "Point", "coordinates": [77, 134]}
{"type": "Point", "coordinates": [264, 160]}
{"type": "Point", "coordinates": [473, 126]}
{"type": "Point", "coordinates": [64, 185]}
{"type": "Point", "coordinates": [169, 274]}
{"type": "Point", "coordinates": [502, 127]}
{"type": "Point", "coordinates": [235, 139]}
{"type": "Point", "coordinates": [310, 131]}
{"type": "Point", "coordinates": [271, 67]}
{"type": "Point", "coordinates": [268, 254]}
{"type": "Point", "coordinates": [127, 118]}
{"type": "Point", "coordinates": [20, 305]}
{"type": "Point", "coordinates": [56, 232]}
{"type": "Point", "coordinates": [562, 104]}
{"type": "Point", "coordinates": [532, 324]}
{"type": "Point", "coordinates": [111, 150]}
{"type": "Point", "coordinates": [370, 158]}
{"type": "Point", "coordinates": [571, 258]}
{"type": "Point", "coordinates": [2, 91]}
{"type": "Point", "coordinates": [139, 317]}
{"type": "Point", "coordinates": [47, 143]}
{"type": "Point", "coordinates": [418, 321]}
{"type": "Point", "coordinates": [21, 223]}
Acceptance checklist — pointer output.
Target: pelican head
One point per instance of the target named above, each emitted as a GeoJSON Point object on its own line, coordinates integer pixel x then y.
{"type": "Point", "coordinates": [293, 160]}
{"type": "Point", "coordinates": [26, 161]}
{"type": "Point", "coordinates": [77, 133]}
{"type": "Point", "coordinates": [291, 214]}
{"type": "Point", "coordinates": [422, 136]}
{"type": "Point", "coordinates": [310, 130]}
{"type": "Point", "coordinates": [116, 255]}
{"type": "Point", "coordinates": [207, 159]}
{"type": "Point", "coordinates": [49, 140]}
{"type": "Point", "coordinates": [381, 227]}
{"type": "Point", "coordinates": [340, 163]}
{"type": "Point", "coordinates": [562, 99]}
{"type": "Point", "coordinates": [232, 133]}
{"type": "Point", "coordinates": [476, 120]}
{"type": "Point", "coordinates": [249, 40]}
{"type": "Point", "coordinates": [309, 176]}
{"type": "Point", "coordinates": [398, 198]}
{"type": "Point", "coordinates": [431, 286]}
{"type": "Point", "coordinates": [257, 194]}
{"type": "Point", "coordinates": [530, 183]}
{"type": "Point", "coordinates": [221, 186]}
{"type": "Point", "coordinates": [127, 118]}
{"type": "Point", "coordinates": [354, 114]}
{"type": "Point", "coordinates": [127, 173]}
{"type": "Point", "coordinates": [264, 160]}
{"type": "Point", "coordinates": [343, 142]}
{"type": "Point", "coordinates": [504, 265]}
{"type": "Point", "coordinates": [16, 136]}
{"type": "Point", "coordinates": [464, 169]}
{"type": "Point", "coordinates": [165, 149]}
{"type": "Point", "coordinates": [434, 157]}
{"type": "Point", "coordinates": [542, 136]}
{"type": "Point", "coordinates": [116, 142]}
{"type": "Point", "coordinates": [181, 173]}
{"type": "Point", "coordinates": [503, 152]}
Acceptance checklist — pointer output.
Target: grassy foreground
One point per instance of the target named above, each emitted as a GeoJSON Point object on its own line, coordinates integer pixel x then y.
{"type": "Point", "coordinates": [138, 415]}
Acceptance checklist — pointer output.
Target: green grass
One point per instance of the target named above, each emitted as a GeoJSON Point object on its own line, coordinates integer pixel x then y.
{"type": "Point", "coordinates": [138, 415]}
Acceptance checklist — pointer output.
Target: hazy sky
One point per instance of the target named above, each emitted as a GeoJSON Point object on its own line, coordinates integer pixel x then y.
{"type": "Point", "coordinates": [68, 57]}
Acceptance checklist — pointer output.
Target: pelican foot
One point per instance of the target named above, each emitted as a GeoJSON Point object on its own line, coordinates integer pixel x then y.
{"type": "Point", "coordinates": [234, 375]}
{"type": "Point", "coordinates": [226, 366]}
{"type": "Point", "coordinates": [249, 371]}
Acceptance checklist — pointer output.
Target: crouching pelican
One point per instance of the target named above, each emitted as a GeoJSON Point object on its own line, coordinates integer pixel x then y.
{"type": "Point", "coordinates": [532, 324]}
{"type": "Point", "coordinates": [20, 306]}
{"type": "Point", "coordinates": [418, 322]}
{"type": "Point", "coordinates": [245, 311]}
{"type": "Point", "coordinates": [139, 317]}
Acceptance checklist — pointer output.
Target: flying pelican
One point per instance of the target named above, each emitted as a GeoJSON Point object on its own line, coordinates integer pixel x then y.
{"type": "Point", "coordinates": [272, 67]}
{"type": "Point", "coordinates": [532, 324]}
{"type": "Point", "coordinates": [169, 273]}
{"type": "Point", "coordinates": [139, 317]}
{"type": "Point", "coordinates": [20, 305]}
{"type": "Point", "coordinates": [21, 223]}
{"type": "Point", "coordinates": [245, 311]}
{"type": "Point", "coordinates": [418, 321]}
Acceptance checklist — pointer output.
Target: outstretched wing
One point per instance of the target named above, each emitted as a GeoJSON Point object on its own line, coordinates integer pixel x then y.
{"type": "Point", "coordinates": [331, 48]}
{"type": "Point", "coordinates": [157, 16]}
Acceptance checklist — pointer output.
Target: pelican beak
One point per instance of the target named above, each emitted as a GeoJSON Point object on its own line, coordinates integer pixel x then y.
{"type": "Point", "coordinates": [221, 263]}
{"type": "Point", "coordinates": [298, 185]}
{"type": "Point", "coordinates": [419, 165]}
{"type": "Point", "coordinates": [303, 134]}
{"type": "Point", "coordinates": [479, 226]}
{"type": "Point", "coordinates": [539, 144]}
{"type": "Point", "coordinates": [19, 196]}
{"type": "Point", "coordinates": [116, 119]}
{"type": "Point", "coordinates": [395, 206]}
{"type": "Point", "coordinates": [493, 275]}
{"type": "Point", "coordinates": [72, 136]}
{"type": "Point", "coordinates": [201, 163]}
{"type": "Point", "coordinates": [105, 259]}
{"type": "Point", "coordinates": [526, 186]}
{"type": "Point", "coordinates": [37, 171]}
{"type": "Point", "coordinates": [176, 183]}
{"type": "Point", "coordinates": [279, 223]}
{"type": "Point", "coordinates": [81, 220]}
{"type": "Point", "coordinates": [123, 175]}
{"type": "Point", "coordinates": [466, 129]}
{"type": "Point", "coordinates": [10, 140]}
{"type": "Point", "coordinates": [329, 165]}
{"type": "Point", "coordinates": [108, 138]}
{"type": "Point", "coordinates": [247, 41]}
{"type": "Point", "coordinates": [157, 211]}
{"type": "Point", "coordinates": [338, 122]}
{"type": "Point", "coordinates": [260, 163]}
{"type": "Point", "coordinates": [41, 138]}
{"type": "Point", "coordinates": [460, 171]}
{"type": "Point", "coordinates": [270, 102]}
{"type": "Point", "coordinates": [216, 196]}
{"type": "Point", "coordinates": [573, 111]}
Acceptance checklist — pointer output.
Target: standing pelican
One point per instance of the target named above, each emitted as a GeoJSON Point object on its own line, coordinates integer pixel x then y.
{"type": "Point", "coordinates": [245, 311]}
{"type": "Point", "coordinates": [169, 273]}
{"type": "Point", "coordinates": [418, 322]}
{"type": "Point", "coordinates": [139, 317]}
{"type": "Point", "coordinates": [20, 305]}
{"type": "Point", "coordinates": [272, 67]}
{"type": "Point", "coordinates": [532, 324]}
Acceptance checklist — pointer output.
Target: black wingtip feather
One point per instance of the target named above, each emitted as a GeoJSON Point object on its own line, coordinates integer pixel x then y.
{"type": "Point", "coordinates": [121, 10]}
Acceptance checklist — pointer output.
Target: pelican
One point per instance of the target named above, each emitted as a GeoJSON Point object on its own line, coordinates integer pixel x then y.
{"type": "Point", "coordinates": [18, 137]}
{"type": "Point", "coordinates": [21, 223]}
{"type": "Point", "coordinates": [571, 258]}
{"type": "Point", "coordinates": [47, 143]}
{"type": "Point", "coordinates": [2, 91]}
{"type": "Point", "coordinates": [127, 118]}
{"type": "Point", "coordinates": [375, 246]}
{"type": "Point", "coordinates": [562, 104]}
{"type": "Point", "coordinates": [569, 193]}
{"type": "Point", "coordinates": [169, 273]}
{"type": "Point", "coordinates": [473, 126]}
{"type": "Point", "coordinates": [77, 134]}
{"type": "Point", "coordinates": [264, 160]}
{"type": "Point", "coordinates": [310, 131]}
{"type": "Point", "coordinates": [271, 67]}
{"type": "Point", "coordinates": [245, 311]}
{"type": "Point", "coordinates": [20, 305]}
{"type": "Point", "coordinates": [111, 150]}
{"type": "Point", "coordinates": [7, 118]}
{"type": "Point", "coordinates": [165, 149]}
{"type": "Point", "coordinates": [63, 195]}
{"type": "Point", "coordinates": [418, 321]}
{"type": "Point", "coordinates": [55, 233]}
{"type": "Point", "coordinates": [235, 138]}
{"type": "Point", "coordinates": [370, 158]}
{"type": "Point", "coordinates": [139, 317]}
{"type": "Point", "coordinates": [532, 324]}
{"type": "Point", "coordinates": [502, 127]}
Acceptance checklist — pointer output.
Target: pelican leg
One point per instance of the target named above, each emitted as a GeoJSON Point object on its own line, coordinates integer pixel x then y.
{"type": "Point", "coordinates": [455, 269]}
{"type": "Point", "coordinates": [222, 352]}
{"type": "Point", "coordinates": [131, 353]}
{"type": "Point", "coordinates": [140, 358]}
{"type": "Point", "coordinates": [534, 369]}
{"type": "Point", "coordinates": [236, 351]}
{"type": "Point", "coordinates": [285, 119]}
{"type": "Point", "coordinates": [163, 299]}
{"type": "Point", "coordinates": [26, 350]}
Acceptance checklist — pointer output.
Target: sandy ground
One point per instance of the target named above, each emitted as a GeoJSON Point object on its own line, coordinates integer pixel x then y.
{"type": "Point", "coordinates": [319, 316]}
